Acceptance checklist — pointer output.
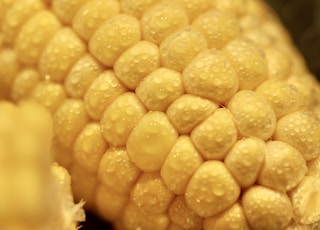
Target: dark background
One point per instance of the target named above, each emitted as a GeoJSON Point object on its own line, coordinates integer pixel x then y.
{"type": "Point", "coordinates": [302, 19]}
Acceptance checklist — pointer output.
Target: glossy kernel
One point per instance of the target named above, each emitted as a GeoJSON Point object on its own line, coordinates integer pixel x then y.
{"type": "Point", "coordinates": [211, 75]}
{"type": "Point", "coordinates": [211, 189]}
{"type": "Point", "coordinates": [160, 88]}
{"type": "Point", "coordinates": [215, 135]}
{"type": "Point", "coordinates": [119, 33]}
{"type": "Point", "coordinates": [150, 141]}
{"type": "Point", "coordinates": [252, 114]}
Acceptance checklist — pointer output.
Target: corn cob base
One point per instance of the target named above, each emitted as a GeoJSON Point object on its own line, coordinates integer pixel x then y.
{"type": "Point", "coordinates": [181, 114]}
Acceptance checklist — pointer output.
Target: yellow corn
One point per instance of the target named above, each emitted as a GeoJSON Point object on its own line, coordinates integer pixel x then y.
{"type": "Point", "coordinates": [170, 115]}
{"type": "Point", "coordinates": [35, 194]}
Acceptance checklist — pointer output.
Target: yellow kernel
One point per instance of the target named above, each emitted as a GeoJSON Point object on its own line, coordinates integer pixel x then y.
{"type": "Point", "coordinates": [173, 226]}
{"type": "Point", "coordinates": [259, 37]}
{"type": "Point", "coordinates": [120, 117]}
{"type": "Point", "coordinates": [283, 167]}
{"type": "Point", "coordinates": [134, 218]}
{"type": "Point", "coordinates": [211, 75]}
{"type": "Point", "coordinates": [66, 9]}
{"type": "Point", "coordinates": [302, 131]}
{"type": "Point", "coordinates": [103, 90]}
{"type": "Point", "coordinates": [8, 59]}
{"type": "Point", "coordinates": [266, 208]}
{"type": "Point", "coordinates": [178, 49]}
{"type": "Point", "coordinates": [181, 215]}
{"type": "Point", "coordinates": [62, 154]}
{"type": "Point", "coordinates": [50, 95]}
{"type": "Point", "coordinates": [231, 219]}
{"type": "Point", "coordinates": [181, 162]}
{"type": "Point", "coordinates": [236, 7]}
{"type": "Point", "coordinates": [69, 120]}
{"type": "Point", "coordinates": [92, 14]}
{"type": "Point", "coordinates": [248, 61]}
{"type": "Point", "coordinates": [245, 159]}
{"type": "Point", "coordinates": [218, 27]}
{"type": "Point", "coordinates": [211, 189]}
{"type": "Point", "coordinates": [279, 63]}
{"type": "Point", "coordinates": [137, 62]}
{"type": "Point", "coordinates": [188, 111]}
{"type": "Point", "coordinates": [282, 97]}
{"type": "Point", "coordinates": [161, 87]}
{"type": "Point", "coordinates": [162, 20]}
{"type": "Point", "coordinates": [305, 86]}
{"type": "Point", "coordinates": [113, 37]}
{"type": "Point", "coordinates": [4, 7]}
{"type": "Point", "coordinates": [16, 16]}
{"type": "Point", "coordinates": [215, 135]}
{"type": "Point", "coordinates": [84, 185]}
{"type": "Point", "coordinates": [305, 200]}
{"type": "Point", "coordinates": [62, 51]}
{"type": "Point", "coordinates": [150, 141]}
{"type": "Point", "coordinates": [24, 83]}
{"type": "Point", "coordinates": [136, 8]}
{"type": "Point", "coordinates": [109, 203]}
{"type": "Point", "coordinates": [34, 35]}
{"type": "Point", "coordinates": [81, 75]}
{"type": "Point", "coordinates": [194, 7]}
{"type": "Point", "coordinates": [151, 194]}
{"type": "Point", "coordinates": [89, 147]}
{"type": "Point", "coordinates": [314, 167]}
{"type": "Point", "coordinates": [117, 171]}
{"type": "Point", "coordinates": [252, 114]}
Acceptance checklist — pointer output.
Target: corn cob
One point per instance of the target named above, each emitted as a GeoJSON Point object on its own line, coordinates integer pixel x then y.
{"type": "Point", "coordinates": [35, 194]}
{"type": "Point", "coordinates": [181, 114]}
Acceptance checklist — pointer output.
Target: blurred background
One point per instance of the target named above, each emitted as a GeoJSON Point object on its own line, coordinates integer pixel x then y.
{"type": "Point", "coordinates": [302, 19]}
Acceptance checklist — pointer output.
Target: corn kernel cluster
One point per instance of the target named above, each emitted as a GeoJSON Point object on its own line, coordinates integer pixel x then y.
{"type": "Point", "coordinates": [171, 115]}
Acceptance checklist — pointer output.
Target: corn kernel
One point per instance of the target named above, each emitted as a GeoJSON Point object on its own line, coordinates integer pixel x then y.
{"type": "Point", "coordinates": [248, 61]}
{"type": "Point", "coordinates": [180, 164]}
{"type": "Point", "coordinates": [245, 160]}
{"type": "Point", "coordinates": [178, 49]}
{"type": "Point", "coordinates": [183, 216]}
{"type": "Point", "coordinates": [117, 171]}
{"type": "Point", "coordinates": [283, 167]}
{"type": "Point", "coordinates": [81, 75]}
{"type": "Point", "coordinates": [211, 189]}
{"type": "Point", "coordinates": [218, 27]}
{"type": "Point", "coordinates": [120, 118]}
{"type": "Point", "coordinates": [302, 131]}
{"type": "Point", "coordinates": [215, 135]}
{"type": "Point", "coordinates": [103, 90]}
{"type": "Point", "coordinates": [92, 14]}
{"type": "Point", "coordinates": [188, 111]}
{"type": "Point", "coordinates": [161, 87]}
{"type": "Point", "coordinates": [151, 193]}
{"type": "Point", "coordinates": [233, 218]}
{"type": "Point", "coordinates": [89, 147]}
{"type": "Point", "coordinates": [119, 33]}
{"type": "Point", "coordinates": [161, 20]}
{"type": "Point", "coordinates": [35, 35]}
{"type": "Point", "coordinates": [68, 121]}
{"type": "Point", "coordinates": [137, 62]}
{"type": "Point", "coordinates": [271, 202]}
{"type": "Point", "coordinates": [62, 51]}
{"type": "Point", "coordinates": [211, 75]}
{"type": "Point", "coordinates": [150, 141]}
{"type": "Point", "coordinates": [17, 15]}
{"type": "Point", "coordinates": [252, 114]}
